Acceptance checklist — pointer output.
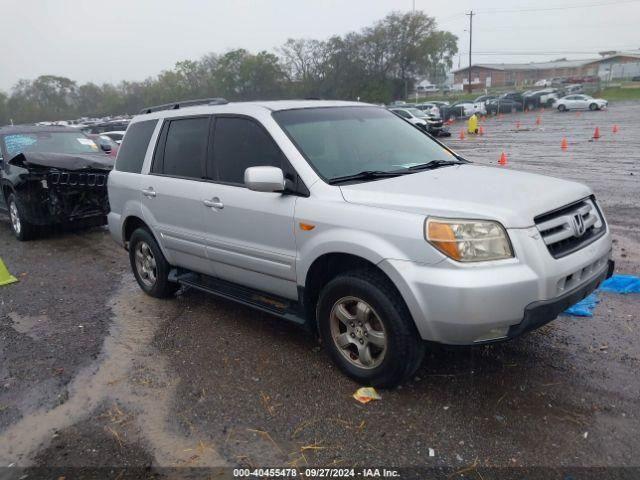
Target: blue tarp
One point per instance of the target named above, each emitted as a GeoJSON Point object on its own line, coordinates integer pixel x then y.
{"type": "Point", "coordinates": [621, 284]}
{"type": "Point", "coordinates": [584, 308]}
{"type": "Point", "coordinates": [616, 284]}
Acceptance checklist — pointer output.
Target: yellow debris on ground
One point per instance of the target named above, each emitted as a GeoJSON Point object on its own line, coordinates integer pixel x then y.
{"type": "Point", "coordinates": [5, 277]}
{"type": "Point", "coordinates": [366, 394]}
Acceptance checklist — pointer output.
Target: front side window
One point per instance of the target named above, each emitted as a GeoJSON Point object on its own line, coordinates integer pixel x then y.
{"type": "Point", "coordinates": [342, 141]}
{"type": "Point", "coordinates": [240, 143]}
{"type": "Point", "coordinates": [49, 142]}
{"type": "Point", "coordinates": [186, 147]}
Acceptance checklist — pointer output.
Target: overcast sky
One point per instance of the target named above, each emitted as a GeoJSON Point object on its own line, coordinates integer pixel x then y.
{"type": "Point", "coordinates": [134, 39]}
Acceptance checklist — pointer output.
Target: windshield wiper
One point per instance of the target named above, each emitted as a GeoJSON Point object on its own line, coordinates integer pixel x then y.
{"type": "Point", "coordinates": [435, 164]}
{"type": "Point", "coordinates": [366, 175]}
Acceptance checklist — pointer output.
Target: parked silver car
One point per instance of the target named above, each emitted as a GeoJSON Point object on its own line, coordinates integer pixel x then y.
{"type": "Point", "coordinates": [344, 218]}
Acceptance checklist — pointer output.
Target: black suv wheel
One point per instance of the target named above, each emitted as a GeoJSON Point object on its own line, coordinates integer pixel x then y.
{"type": "Point", "coordinates": [22, 229]}
{"type": "Point", "coordinates": [368, 329]}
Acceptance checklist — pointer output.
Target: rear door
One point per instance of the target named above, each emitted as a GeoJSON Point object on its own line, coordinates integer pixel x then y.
{"type": "Point", "coordinates": [172, 192]}
{"type": "Point", "coordinates": [249, 235]}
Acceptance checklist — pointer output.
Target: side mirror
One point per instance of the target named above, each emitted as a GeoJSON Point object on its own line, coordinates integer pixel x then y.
{"type": "Point", "coordinates": [264, 179]}
{"type": "Point", "coordinates": [106, 148]}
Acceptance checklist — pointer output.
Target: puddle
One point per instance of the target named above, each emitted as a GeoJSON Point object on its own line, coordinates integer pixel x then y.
{"type": "Point", "coordinates": [116, 377]}
{"type": "Point", "coordinates": [28, 325]}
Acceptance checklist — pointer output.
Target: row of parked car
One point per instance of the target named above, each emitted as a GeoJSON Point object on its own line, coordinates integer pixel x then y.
{"type": "Point", "coordinates": [570, 97]}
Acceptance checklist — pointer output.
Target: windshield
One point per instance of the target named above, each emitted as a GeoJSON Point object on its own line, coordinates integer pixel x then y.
{"type": "Point", "coordinates": [49, 142]}
{"type": "Point", "coordinates": [341, 141]}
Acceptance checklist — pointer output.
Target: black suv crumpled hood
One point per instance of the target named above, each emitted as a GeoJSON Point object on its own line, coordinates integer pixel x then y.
{"type": "Point", "coordinates": [63, 161]}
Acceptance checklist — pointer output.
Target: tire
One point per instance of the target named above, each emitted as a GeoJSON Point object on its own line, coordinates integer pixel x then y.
{"type": "Point", "coordinates": [593, 107]}
{"type": "Point", "coordinates": [22, 229]}
{"type": "Point", "coordinates": [149, 266]}
{"type": "Point", "coordinates": [562, 108]}
{"type": "Point", "coordinates": [373, 314]}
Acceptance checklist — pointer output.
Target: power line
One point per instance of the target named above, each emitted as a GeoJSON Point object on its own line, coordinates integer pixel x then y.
{"type": "Point", "coordinates": [566, 7]}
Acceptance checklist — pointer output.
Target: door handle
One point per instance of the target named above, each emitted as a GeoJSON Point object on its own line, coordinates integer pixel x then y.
{"type": "Point", "coordinates": [148, 192]}
{"type": "Point", "coordinates": [214, 203]}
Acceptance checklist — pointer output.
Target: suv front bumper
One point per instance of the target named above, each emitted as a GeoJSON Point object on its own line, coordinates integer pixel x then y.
{"type": "Point", "coordinates": [468, 304]}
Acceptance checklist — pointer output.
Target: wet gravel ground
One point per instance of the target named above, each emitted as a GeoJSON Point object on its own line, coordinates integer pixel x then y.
{"type": "Point", "coordinates": [94, 373]}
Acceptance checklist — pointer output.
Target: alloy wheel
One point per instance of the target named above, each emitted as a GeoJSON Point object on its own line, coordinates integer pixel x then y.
{"type": "Point", "coordinates": [15, 218]}
{"type": "Point", "coordinates": [358, 332]}
{"type": "Point", "coordinates": [146, 264]}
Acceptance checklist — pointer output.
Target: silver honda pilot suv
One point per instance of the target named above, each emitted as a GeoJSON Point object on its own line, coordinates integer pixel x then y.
{"type": "Point", "coordinates": [352, 222]}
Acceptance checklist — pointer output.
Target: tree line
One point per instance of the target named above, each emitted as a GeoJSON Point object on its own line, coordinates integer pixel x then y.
{"type": "Point", "coordinates": [376, 64]}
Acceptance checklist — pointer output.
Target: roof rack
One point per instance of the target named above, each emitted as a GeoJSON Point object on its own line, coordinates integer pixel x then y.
{"type": "Point", "coordinates": [186, 103]}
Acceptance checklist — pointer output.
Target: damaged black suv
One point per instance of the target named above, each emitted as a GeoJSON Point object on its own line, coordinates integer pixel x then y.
{"type": "Point", "coordinates": [52, 176]}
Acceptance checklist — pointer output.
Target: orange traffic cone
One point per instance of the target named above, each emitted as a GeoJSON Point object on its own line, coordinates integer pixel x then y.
{"type": "Point", "coordinates": [461, 136]}
{"type": "Point", "coordinates": [596, 133]}
{"type": "Point", "coordinates": [563, 145]}
{"type": "Point", "coordinates": [538, 120]}
{"type": "Point", "coordinates": [481, 130]}
{"type": "Point", "coordinates": [518, 125]}
{"type": "Point", "coordinates": [450, 121]}
{"type": "Point", "coordinates": [503, 159]}
{"type": "Point", "coordinates": [614, 129]}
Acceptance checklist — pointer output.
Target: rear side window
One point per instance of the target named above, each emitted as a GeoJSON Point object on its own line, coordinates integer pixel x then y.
{"type": "Point", "coordinates": [240, 143]}
{"type": "Point", "coordinates": [185, 149]}
{"type": "Point", "coordinates": [134, 146]}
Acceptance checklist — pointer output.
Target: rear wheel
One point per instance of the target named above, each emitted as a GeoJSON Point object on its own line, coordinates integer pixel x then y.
{"type": "Point", "coordinates": [22, 229]}
{"type": "Point", "coordinates": [149, 266]}
{"type": "Point", "coordinates": [562, 108]}
{"type": "Point", "coordinates": [368, 329]}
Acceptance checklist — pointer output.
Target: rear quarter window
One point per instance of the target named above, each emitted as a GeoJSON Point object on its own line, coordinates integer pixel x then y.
{"type": "Point", "coordinates": [134, 146]}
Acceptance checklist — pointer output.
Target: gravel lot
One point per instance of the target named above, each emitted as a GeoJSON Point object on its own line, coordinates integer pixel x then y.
{"type": "Point", "coordinates": [94, 373]}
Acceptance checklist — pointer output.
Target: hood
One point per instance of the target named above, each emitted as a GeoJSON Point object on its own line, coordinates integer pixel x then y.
{"type": "Point", "coordinates": [470, 191]}
{"type": "Point", "coordinates": [63, 161]}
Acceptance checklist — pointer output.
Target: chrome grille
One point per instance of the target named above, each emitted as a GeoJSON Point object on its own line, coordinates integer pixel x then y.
{"type": "Point", "coordinates": [75, 179]}
{"type": "Point", "coordinates": [570, 228]}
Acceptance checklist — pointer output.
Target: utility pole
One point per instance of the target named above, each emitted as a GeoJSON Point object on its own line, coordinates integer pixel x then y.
{"type": "Point", "coordinates": [414, 6]}
{"type": "Point", "coordinates": [470, 15]}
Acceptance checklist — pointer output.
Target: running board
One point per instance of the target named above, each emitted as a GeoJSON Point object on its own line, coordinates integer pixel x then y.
{"type": "Point", "coordinates": [275, 305]}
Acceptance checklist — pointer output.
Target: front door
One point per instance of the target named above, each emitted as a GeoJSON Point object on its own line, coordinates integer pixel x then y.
{"type": "Point", "coordinates": [250, 235]}
{"type": "Point", "coordinates": [172, 192]}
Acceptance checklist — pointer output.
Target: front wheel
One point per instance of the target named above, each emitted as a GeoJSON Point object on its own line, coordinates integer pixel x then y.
{"type": "Point", "coordinates": [593, 107]}
{"type": "Point", "coordinates": [22, 229]}
{"type": "Point", "coordinates": [149, 266]}
{"type": "Point", "coordinates": [368, 329]}
{"type": "Point", "coordinates": [562, 108]}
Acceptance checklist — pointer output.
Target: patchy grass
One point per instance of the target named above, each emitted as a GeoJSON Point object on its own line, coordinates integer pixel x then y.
{"type": "Point", "coordinates": [619, 93]}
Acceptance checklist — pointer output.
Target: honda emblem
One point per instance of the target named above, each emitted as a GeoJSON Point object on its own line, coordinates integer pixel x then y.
{"type": "Point", "coordinates": [578, 225]}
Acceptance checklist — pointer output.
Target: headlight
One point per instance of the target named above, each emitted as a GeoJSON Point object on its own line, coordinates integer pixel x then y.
{"type": "Point", "coordinates": [468, 240]}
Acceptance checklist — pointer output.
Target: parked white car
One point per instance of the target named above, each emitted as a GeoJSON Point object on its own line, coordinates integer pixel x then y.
{"type": "Point", "coordinates": [412, 115]}
{"type": "Point", "coordinates": [472, 107]}
{"type": "Point", "coordinates": [580, 102]}
{"type": "Point", "coordinates": [543, 83]}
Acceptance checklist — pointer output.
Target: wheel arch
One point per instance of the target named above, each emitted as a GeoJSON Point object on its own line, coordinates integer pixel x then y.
{"type": "Point", "coordinates": [325, 268]}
